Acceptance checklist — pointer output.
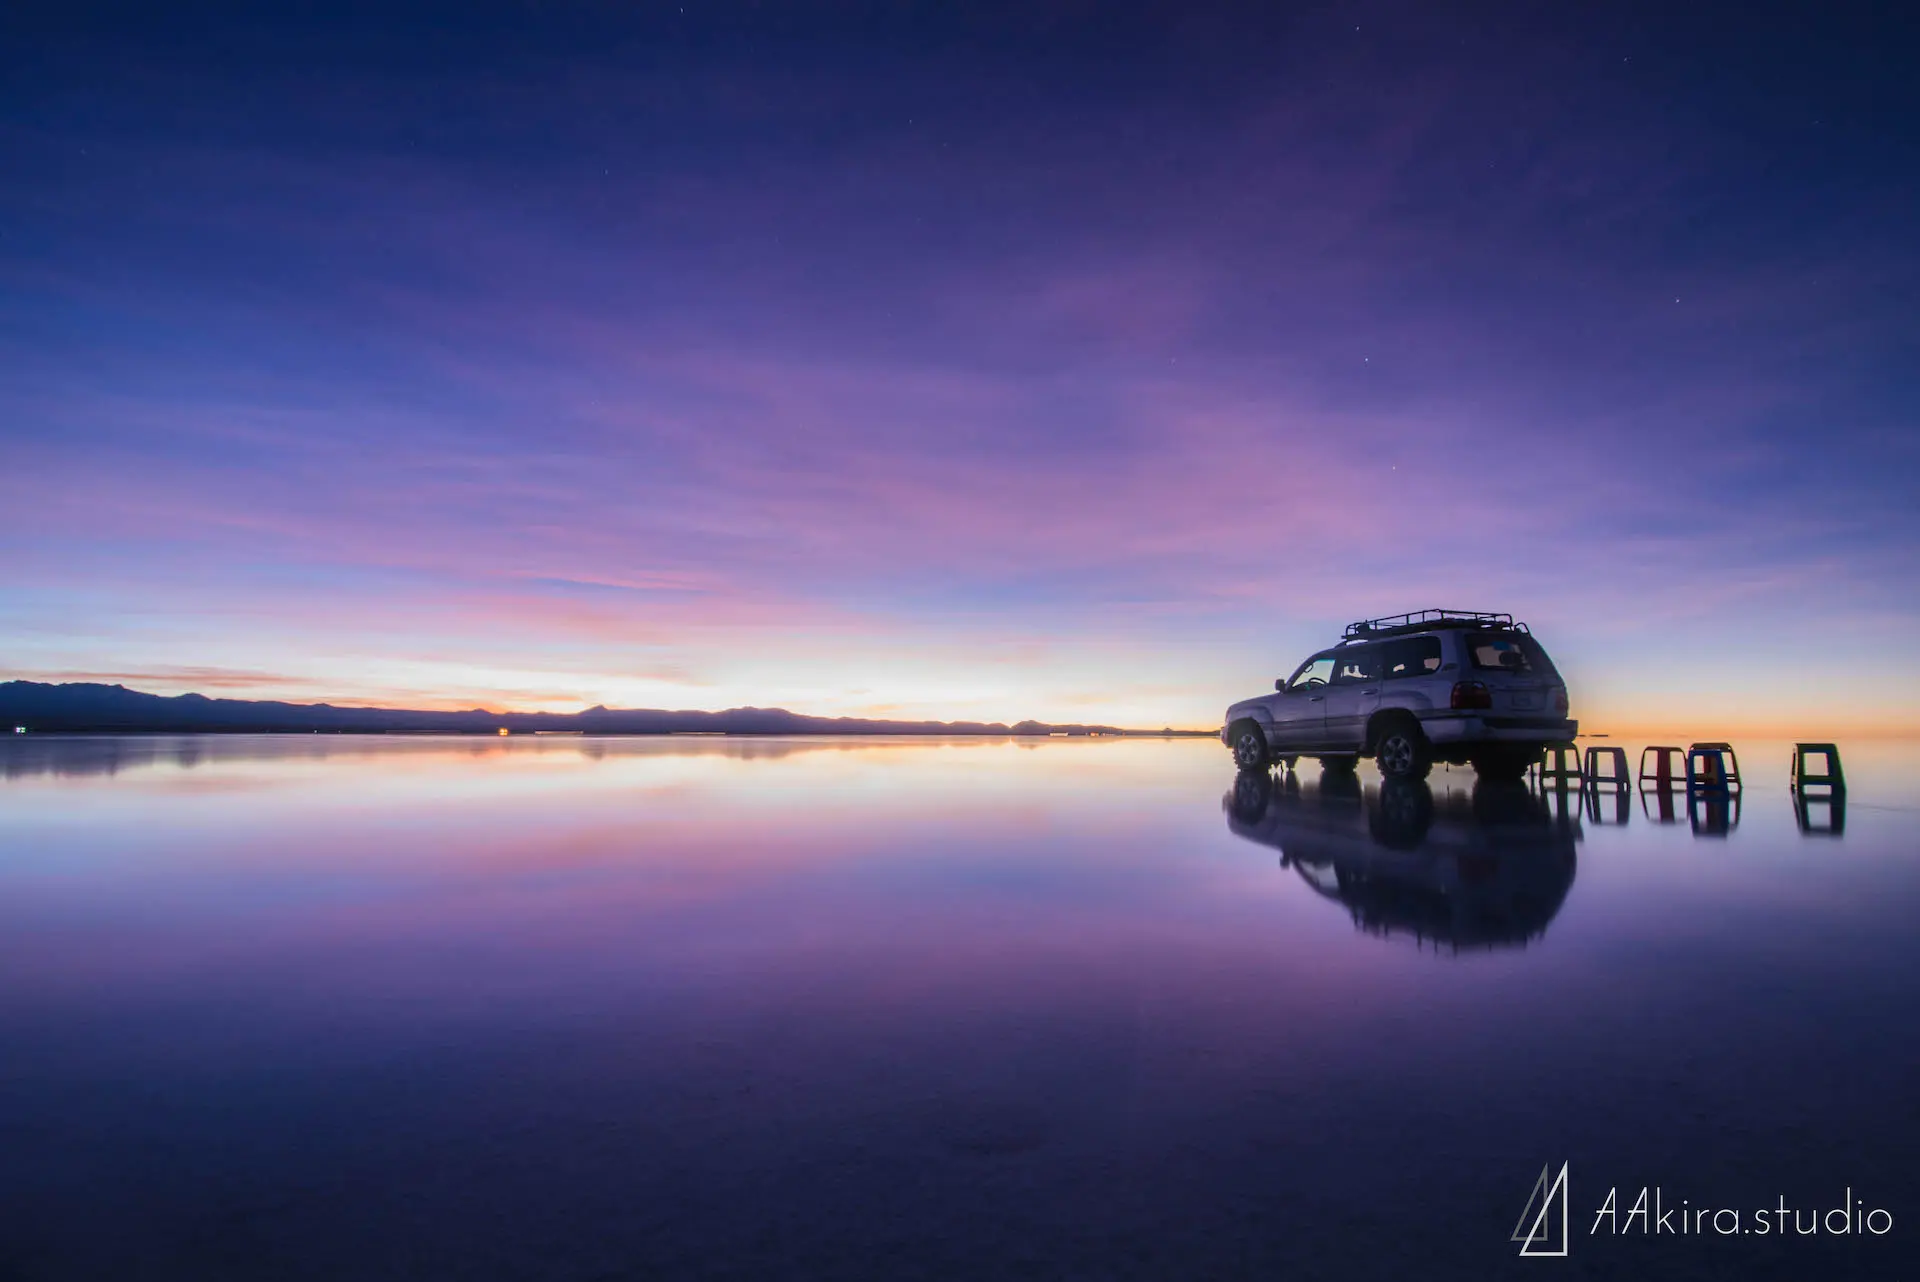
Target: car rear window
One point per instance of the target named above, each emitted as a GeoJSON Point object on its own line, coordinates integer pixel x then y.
{"type": "Point", "coordinates": [1508, 652]}
{"type": "Point", "coordinates": [1413, 657]}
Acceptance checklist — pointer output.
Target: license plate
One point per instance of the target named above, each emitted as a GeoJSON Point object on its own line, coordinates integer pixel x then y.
{"type": "Point", "coordinates": [1525, 701]}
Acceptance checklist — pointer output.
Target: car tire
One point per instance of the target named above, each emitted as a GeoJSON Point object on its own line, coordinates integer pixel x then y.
{"type": "Point", "coordinates": [1249, 744]}
{"type": "Point", "coordinates": [1401, 750]}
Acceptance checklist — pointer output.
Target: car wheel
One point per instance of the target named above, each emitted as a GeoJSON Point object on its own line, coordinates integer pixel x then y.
{"type": "Point", "coordinates": [1402, 751]}
{"type": "Point", "coordinates": [1249, 746]}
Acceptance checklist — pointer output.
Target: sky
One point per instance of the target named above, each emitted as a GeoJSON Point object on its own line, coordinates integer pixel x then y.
{"type": "Point", "coordinates": [1071, 361]}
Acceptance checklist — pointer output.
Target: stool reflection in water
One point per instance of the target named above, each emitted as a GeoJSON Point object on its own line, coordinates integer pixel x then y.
{"type": "Point", "coordinates": [1713, 812]}
{"type": "Point", "coordinates": [1658, 804]}
{"type": "Point", "coordinates": [1609, 807]}
{"type": "Point", "coordinates": [1713, 789]}
{"type": "Point", "coordinates": [1819, 800]}
{"type": "Point", "coordinates": [1820, 816]}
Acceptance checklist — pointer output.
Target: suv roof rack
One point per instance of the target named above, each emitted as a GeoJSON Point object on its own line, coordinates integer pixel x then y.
{"type": "Point", "coordinates": [1426, 620]}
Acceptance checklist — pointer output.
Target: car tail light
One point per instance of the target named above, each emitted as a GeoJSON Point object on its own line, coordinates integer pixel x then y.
{"type": "Point", "coordinates": [1471, 694]}
{"type": "Point", "coordinates": [1560, 700]}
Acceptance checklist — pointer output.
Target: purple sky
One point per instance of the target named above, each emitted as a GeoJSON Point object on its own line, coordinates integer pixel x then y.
{"type": "Point", "coordinates": [1061, 361]}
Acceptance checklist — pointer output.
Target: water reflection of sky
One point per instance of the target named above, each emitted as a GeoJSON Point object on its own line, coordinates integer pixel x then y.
{"type": "Point", "coordinates": [878, 1009]}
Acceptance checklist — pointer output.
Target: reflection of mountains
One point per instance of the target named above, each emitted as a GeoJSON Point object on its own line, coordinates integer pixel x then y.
{"type": "Point", "coordinates": [79, 755]}
{"type": "Point", "coordinates": [25, 758]}
{"type": "Point", "coordinates": [1486, 869]}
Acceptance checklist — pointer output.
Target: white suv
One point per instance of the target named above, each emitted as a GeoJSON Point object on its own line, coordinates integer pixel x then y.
{"type": "Point", "coordinates": [1410, 690]}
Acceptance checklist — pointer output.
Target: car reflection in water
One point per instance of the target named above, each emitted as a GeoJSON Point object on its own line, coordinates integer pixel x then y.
{"type": "Point", "coordinates": [1461, 871]}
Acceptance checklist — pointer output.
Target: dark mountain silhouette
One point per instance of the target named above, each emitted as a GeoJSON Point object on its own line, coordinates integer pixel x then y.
{"type": "Point", "coordinates": [88, 707]}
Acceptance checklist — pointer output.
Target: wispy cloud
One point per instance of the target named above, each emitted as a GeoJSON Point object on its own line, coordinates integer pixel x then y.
{"type": "Point", "coordinates": [924, 414]}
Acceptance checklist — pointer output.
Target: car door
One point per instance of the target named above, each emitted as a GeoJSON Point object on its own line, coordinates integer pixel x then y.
{"type": "Point", "coordinates": [1352, 696]}
{"type": "Point", "coordinates": [1299, 710]}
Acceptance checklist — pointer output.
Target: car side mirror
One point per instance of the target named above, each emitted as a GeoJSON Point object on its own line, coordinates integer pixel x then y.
{"type": "Point", "coordinates": [1280, 683]}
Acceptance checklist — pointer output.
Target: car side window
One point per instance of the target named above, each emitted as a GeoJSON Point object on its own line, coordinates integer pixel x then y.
{"type": "Point", "coordinates": [1413, 657]}
{"type": "Point", "coordinates": [1316, 671]}
{"type": "Point", "coordinates": [1356, 666]}
{"type": "Point", "coordinates": [1499, 653]}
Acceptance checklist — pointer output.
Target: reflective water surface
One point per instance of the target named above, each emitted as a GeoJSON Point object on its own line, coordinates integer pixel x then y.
{"type": "Point", "coordinates": [679, 1008]}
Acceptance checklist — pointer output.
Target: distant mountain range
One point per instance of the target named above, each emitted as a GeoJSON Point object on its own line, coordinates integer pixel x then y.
{"type": "Point", "coordinates": [89, 707]}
